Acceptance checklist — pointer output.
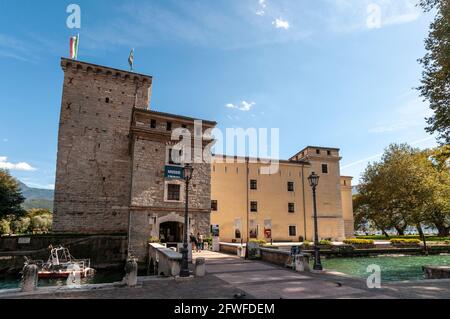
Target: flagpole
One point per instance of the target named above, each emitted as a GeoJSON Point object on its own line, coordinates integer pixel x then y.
{"type": "Point", "coordinates": [78, 43]}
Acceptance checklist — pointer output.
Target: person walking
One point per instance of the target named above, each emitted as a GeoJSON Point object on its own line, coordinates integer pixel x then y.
{"type": "Point", "coordinates": [199, 242]}
{"type": "Point", "coordinates": [193, 242]}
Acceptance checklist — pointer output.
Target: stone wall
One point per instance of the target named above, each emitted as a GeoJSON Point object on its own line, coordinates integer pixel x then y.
{"type": "Point", "coordinates": [228, 249]}
{"type": "Point", "coordinates": [273, 256]}
{"type": "Point", "coordinates": [149, 202]}
{"type": "Point", "coordinates": [104, 251]}
{"type": "Point", "coordinates": [93, 175]}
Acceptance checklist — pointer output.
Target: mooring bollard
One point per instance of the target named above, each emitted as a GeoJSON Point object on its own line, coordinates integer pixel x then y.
{"type": "Point", "coordinates": [29, 278]}
{"type": "Point", "coordinates": [200, 267]}
{"type": "Point", "coordinates": [131, 273]}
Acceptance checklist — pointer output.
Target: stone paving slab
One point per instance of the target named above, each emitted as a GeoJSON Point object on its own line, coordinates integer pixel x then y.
{"type": "Point", "coordinates": [229, 275]}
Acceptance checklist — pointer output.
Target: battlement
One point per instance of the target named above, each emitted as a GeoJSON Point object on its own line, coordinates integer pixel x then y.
{"type": "Point", "coordinates": [99, 70]}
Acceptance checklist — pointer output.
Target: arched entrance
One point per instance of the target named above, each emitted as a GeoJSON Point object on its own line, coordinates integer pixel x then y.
{"type": "Point", "coordinates": [171, 232]}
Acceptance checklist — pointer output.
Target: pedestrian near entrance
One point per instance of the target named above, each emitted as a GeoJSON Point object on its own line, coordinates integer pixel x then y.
{"type": "Point", "coordinates": [199, 242]}
{"type": "Point", "coordinates": [193, 242]}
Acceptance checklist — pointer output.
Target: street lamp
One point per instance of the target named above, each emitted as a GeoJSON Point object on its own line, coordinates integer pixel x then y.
{"type": "Point", "coordinates": [313, 182]}
{"type": "Point", "coordinates": [184, 272]}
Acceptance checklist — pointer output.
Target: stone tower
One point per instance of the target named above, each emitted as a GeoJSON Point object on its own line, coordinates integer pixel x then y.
{"type": "Point", "coordinates": [93, 177]}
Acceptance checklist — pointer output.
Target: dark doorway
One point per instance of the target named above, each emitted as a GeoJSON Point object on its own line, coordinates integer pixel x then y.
{"type": "Point", "coordinates": [171, 232]}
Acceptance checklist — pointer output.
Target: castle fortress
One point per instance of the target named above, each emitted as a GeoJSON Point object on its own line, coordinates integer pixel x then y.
{"type": "Point", "coordinates": [111, 177]}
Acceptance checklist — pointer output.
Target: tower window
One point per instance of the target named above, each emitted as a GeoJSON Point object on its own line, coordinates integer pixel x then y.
{"type": "Point", "coordinates": [173, 192]}
{"type": "Point", "coordinates": [171, 156]}
{"type": "Point", "coordinates": [318, 152]}
{"type": "Point", "coordinates": [329, 153]}
{"type": "Point", "coordinates": [169, 126]}
{"type": "Point", "coordinates": [254, 207]}
{"type": "Point", "coordinates": [290, 186]}
{"type": "Point", "coordinates": [291, 208]}
{"type": "Point", "coordinates": [324, 168]}
{"type": "Point", "coordinates": [254, 184]}
{"type": "Point", "coordinates": [153, 124]}
{"type": "Point", "coordinates": [107, 100]}
{"type": "Point", "coordinates": [214, 206]}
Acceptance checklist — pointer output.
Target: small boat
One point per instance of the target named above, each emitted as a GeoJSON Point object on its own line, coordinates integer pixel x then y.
{"type": "Point", "coordinates": [61, 264]}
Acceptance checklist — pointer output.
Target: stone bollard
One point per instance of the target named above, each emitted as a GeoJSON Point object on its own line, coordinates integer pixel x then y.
{"type": "Point", "coordinates": [200, 267]}
{"type": "Point", "coordinates": [302, 263]}
{"type": "Point", "coordinates": [131, 273]}
{"type": "Point", "coordinates": [29, 278]}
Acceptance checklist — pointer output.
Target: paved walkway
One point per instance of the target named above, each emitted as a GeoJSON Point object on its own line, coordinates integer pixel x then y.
{"type": "Point", "coordinates": [262, 280]}
{"type": "Point", "coordinates": [229, 275]}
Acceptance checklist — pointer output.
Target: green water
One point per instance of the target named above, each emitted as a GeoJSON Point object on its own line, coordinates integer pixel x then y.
{"type": "Point", "coordinates": [393, 268]}
{"type": "Point", "coordinates": [100, 277]}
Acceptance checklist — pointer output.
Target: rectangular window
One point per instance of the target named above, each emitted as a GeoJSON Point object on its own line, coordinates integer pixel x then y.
{"type": "Point", "coordinates": [173, 192]}
{"type": "Point", "coordinates": [253, 229]}
{"type": "Point", "coordinates": [169, 126]}
{"type": "Point", "coordinates": [291, 208]}
{"type": "Point", "coordinates": [214, 205]}
{"type": "Point", "coordinates": [237, 228]}
{"type": "Point", "coordinates": [318, 152]}
{"type": "Point", "coordinates": [329, 153]}
{"type": "Point", "coordinates": [172, 160]}
{"type": "Point", "coordinates": [324, 168]}
{"type": "Point", "coordinates": [254, 207]}
{"type": "Point", "coordinates": [153, 124]}
{"type": "Point", "coordinates": [183, 126]}
{"type": "Point", "coordinates": [290, 186]}
{"type": "Point", "coordinates": [292, 231]}
{"type": "Point", "coordinates": [254, 184]}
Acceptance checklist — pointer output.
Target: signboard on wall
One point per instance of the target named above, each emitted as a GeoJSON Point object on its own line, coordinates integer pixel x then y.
{"type": "Point", "coordinates": [173, 172]}
{"type": "Point", "coordinates": [215, 230]}
{"type": "Point", "coordinates": [268, 228]}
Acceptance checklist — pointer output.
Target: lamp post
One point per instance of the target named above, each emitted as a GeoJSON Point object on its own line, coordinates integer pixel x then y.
{"type": "Point", "coordinates": [184, 272]}
{"type": "Point", "coordinates": [313, 182]}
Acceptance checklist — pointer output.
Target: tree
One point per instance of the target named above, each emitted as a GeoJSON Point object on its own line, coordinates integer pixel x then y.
{"type": "Point", "coordinates": [5, 228]}
{"type": "Point", "coordinates": [10, 195]}
{"type": "Point", "coordinates": [408, 187]}
{"type": "Point", "coordinates": [435, 86]}
{"type": "Point", "coordinates": [438, 209]}
{"type": "Point", "coordinates": [40, 220]}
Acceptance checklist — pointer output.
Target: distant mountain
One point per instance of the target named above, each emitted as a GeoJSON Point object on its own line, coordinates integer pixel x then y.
{"type": "Point", "coordinates": [38, 203]}
{"type": "Point", "coordinates": [37, 197]}
{"type": "Point", "coordinates": [36, 193]}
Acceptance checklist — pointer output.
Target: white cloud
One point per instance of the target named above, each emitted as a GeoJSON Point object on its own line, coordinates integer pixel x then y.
{"type": "Point", "coordinates": [22, 166]}
{"type": "Point", "coordinates": [244, 106]}
{"type": "Point", "coordinates": [5, 140]}
{"type": "Point", "coordinates": [281, 24]}
{"type": "Point", "coordinates": [262, 8]}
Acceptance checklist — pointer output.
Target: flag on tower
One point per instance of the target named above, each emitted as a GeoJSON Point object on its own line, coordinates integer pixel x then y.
{"type": "Point", "coordinates": [131, 59]}
{"type": "Point", "coordinates": [74, 47]}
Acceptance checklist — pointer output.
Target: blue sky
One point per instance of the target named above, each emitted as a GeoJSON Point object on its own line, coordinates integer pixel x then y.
{"type": "Point", "coordinates": [320, 71]}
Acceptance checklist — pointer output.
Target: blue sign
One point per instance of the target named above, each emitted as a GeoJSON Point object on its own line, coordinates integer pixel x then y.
{"type": "Point", "coordinates": [174, 172]}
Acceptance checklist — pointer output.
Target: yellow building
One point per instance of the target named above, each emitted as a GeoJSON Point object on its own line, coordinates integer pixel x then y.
{"type": "Point", "coordinates": [279, 206]}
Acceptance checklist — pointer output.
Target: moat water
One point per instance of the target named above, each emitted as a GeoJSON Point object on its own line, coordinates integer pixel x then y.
{"type": "Point", "coordinates": [100, 277]}
{"type": "Point", "coordinates": [393, 268]}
